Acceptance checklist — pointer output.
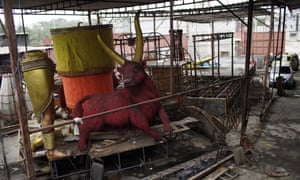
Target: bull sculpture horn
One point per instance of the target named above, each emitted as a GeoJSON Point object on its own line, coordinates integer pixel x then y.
{"type": "Point", "coordinates": [111, 53]}
{"type": "Point", "coordinates": [139, 44]}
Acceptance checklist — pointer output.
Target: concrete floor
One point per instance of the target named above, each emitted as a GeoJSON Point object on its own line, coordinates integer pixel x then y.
{"type": "Point", "coordinates": [275, 142]}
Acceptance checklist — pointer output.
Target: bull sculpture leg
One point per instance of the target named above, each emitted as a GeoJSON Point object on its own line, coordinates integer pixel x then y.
{"type": "Point", "coordinates": [38, 72]}
{"type": "Point", "coordinates": [165, 120]}
{"type": "Point", "coordinates": [85, 131]}
{"type": "Point", "coordinates": [141, 122]}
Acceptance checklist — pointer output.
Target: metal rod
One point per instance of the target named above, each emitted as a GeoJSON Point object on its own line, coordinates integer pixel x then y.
{"type": "Point", "coordinates": [232, 68]}
{"type": "Point", "coordinates": [277, 41]}
{"type": "Point", "coordinates": [212, 49]}
{"type": "Point", "coordinates": [155, 40]}
{"type": "Point", "coordinates": [282, 37]}
{"type": "Point", "coordinates": [172, 47]}
{"type": "Point", "coordinates": [211, 168]}
{"type": "Point", "coordinates": [279, 29]}
{"type": "Point", "coordinates": [247, 63]}
{"type": "Point", "coordinates": [218, 59]}
{"type": "Point", "coordinates": [266, 62]}
{"type": "Point", "coordinates": [89, 18]}
{"type": "Point", "coordinates": [233, 13]}
{"type": "Point", "coordinates": [3, 27]}
{"type": "Point", "coordinates": [24, 31]}
{"type": "Point", "coordinates": [195, 59]}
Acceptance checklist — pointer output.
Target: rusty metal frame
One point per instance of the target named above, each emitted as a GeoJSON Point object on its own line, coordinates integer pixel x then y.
{"type": "Point", "coordinates": [21, 113]}
{"type": "Point", "coordinates": [213, 37]}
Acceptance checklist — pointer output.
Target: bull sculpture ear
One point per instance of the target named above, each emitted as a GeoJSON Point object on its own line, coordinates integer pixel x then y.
{"type": "Point", "coordinates": [139, 44]}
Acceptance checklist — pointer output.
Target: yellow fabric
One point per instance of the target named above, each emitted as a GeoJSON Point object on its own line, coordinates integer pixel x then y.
{"type": "Point", "coordinates": [48, 117]}
{"type": "Point", "coordinates": [77, 49]}
{"type": "Point", "coordinates": [36, 141]}
{"type": "Point", "coordinates": [39, 81]}
{"type": "Point", "coordinates": [49, 141]}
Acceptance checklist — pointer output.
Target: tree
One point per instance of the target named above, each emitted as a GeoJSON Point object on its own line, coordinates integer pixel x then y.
{"type": "Point", "coordinates": [41, 30]}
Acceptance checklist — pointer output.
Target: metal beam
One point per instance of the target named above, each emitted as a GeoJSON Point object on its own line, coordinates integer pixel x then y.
{"type": "Point", "coordinates": [247, 63]}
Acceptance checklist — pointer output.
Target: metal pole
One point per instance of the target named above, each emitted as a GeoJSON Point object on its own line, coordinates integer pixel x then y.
{"type": "Point", "coordinates": [232, 68]}
{"type": "Point", "coordinates": [218, 58]}
{"type": "Point", "coordinates": [172, 46]}
{"type": "Point", "coordinates": [195, 59]}
{"type": "Point", "coordinates": [98, 18]}
{"type": "Point", "coordinates": [282, 37]}
{"type": "Point", "coordinates": [24, 31]}
{"type": "Point", "coordinates": [266, 62]}
{"type": "Point", "coordinates": [90, 18]}
{"type": "Point", "coordinates": [212, 49]}
{"type": "Point", "coordinates": [279, 29]}
{"type": "Point", "coordinates": [247, 63]}
{"type": "Point", "coordinates": [154, 36]}
{"type": "Point", "coordinates": [21, 108]}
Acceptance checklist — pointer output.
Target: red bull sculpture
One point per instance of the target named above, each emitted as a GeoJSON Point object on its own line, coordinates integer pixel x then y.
{"type": "Point", "coordinates": [138, 87]}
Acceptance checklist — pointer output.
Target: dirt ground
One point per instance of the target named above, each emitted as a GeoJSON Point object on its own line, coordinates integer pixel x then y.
{"type": "Point", "coordinates": [275, 145]}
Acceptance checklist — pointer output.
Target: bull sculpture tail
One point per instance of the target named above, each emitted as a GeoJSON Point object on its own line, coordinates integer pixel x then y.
{"type": "Point", "coordinates": [78, 109]}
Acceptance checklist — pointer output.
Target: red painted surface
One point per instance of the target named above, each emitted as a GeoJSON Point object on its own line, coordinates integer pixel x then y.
{"type": "Point", "coordinates": [138, 88]}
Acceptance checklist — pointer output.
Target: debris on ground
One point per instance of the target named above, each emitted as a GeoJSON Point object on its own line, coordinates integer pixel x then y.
{"type": "Point", "coordinates": [276, 171]}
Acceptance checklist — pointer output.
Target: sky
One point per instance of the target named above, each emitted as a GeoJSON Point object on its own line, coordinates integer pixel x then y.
{"type": "Point", "coordinates": [31, 19]}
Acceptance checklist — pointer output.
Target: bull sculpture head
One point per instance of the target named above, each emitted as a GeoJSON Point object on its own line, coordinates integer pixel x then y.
{"type": "Point", "coordinates": [132, 71]}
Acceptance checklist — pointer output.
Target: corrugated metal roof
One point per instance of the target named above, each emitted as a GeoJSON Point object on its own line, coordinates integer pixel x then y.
{"type": "Point", "coordinates": [77, 4]}
{"type": "Point", "coordinates": [109, 4]}
{"type": "Point", "coordinates": [194, 14]}
{"type": "Point", "coordinates": [227, 12]}
{"type": "Point", "coordinates": [231, 11]}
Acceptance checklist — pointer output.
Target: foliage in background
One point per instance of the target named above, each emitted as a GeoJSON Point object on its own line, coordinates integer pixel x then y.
{"type": "Point", "coordinates": [41, 30]}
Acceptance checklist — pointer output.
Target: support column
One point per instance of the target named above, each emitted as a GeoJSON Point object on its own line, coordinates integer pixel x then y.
{"type": "Point", "coordinates": [21, 108]}
{"type": "Point", "coordinates": [247, 63]}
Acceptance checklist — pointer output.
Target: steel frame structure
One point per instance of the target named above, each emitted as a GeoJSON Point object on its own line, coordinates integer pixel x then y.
{"type": "Point", "coordinates": [9, 5]}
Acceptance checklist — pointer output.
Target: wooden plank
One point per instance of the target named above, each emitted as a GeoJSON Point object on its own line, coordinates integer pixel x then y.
{"type": "Point", "coordinates": [140, 140]}
{"type": "Point", "coordinates": [214, 166]}
{"type": "Point", "coordinates": [217, 173]}
{"type": "Point", "coordinates": [135, 139]}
